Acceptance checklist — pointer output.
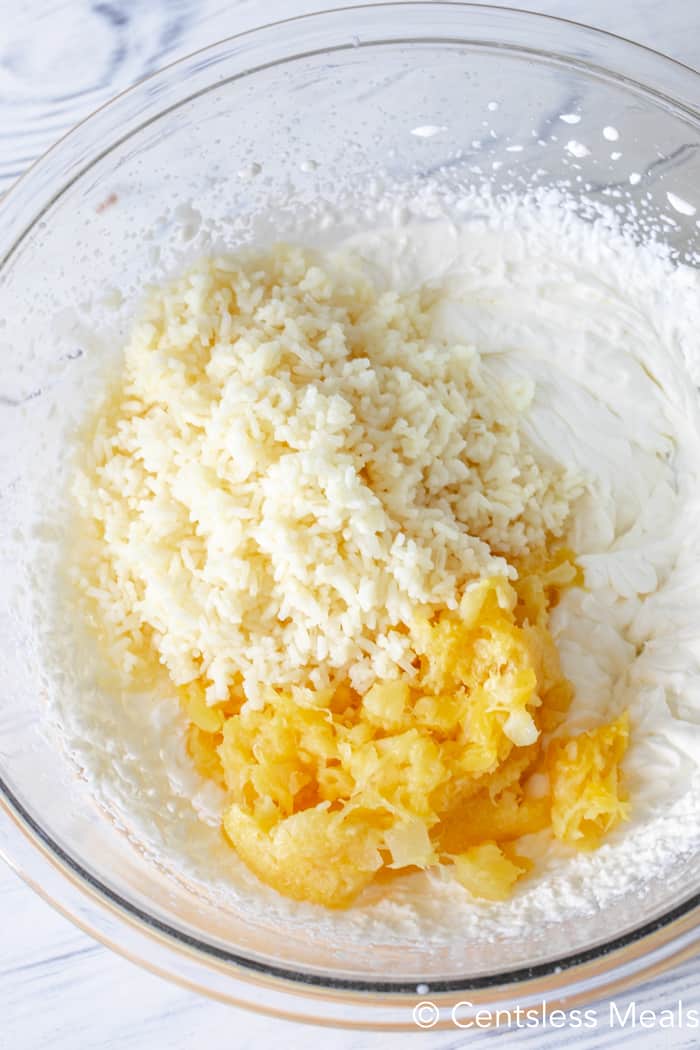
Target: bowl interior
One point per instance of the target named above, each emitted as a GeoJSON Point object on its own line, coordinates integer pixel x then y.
{"type": "Point", "coordinates": [242, 141]}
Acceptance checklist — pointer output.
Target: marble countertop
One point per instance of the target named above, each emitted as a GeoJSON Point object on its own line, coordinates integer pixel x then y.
{"type": "Point", "coordinates": [59, 60]}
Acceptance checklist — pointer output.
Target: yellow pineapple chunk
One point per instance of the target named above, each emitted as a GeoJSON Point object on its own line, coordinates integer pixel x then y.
{"type": "Point", "coordinates": [503, 819]}
{"type": "Point", "coordinates": [203, 749]}
{"type": "Point", "coordinates": [316, 855]}
{"type": "Point", "coordinates": [584, 773]}
{"type": "Point", "coordinates": [487, 872]}
{"type": "Point", "coordinates": [192, 698]}
{"type": "Point", "coordinates": [477, 595]}
{"type": "Point", "coordinates": [410, 845]}
{"type": "Point", "coordinates": [385, 704]}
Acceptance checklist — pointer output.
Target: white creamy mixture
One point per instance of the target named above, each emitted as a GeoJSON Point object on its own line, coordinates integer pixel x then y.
{"type": "Point", "coordinates": [609, 334]}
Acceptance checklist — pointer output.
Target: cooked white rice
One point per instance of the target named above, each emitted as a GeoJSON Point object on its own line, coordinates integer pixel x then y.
{"type": "Point", "coordinates": [289, 468]}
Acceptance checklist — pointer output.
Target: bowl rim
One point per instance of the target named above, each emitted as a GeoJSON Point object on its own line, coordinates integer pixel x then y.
{"type": "Point", "coordinates": [583, 28]}
{"type": "Point", "coordinates": [668, 926]}
{"type": "Point", "coordinates": [661, 947]}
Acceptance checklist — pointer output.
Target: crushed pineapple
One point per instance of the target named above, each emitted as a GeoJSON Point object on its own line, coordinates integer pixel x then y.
{"type": "Point", "coordinates": [325, 789]}
{"type": "Point", "coordinates": [317, 855]}
{"type": "Point", "coordinates": [504, 819]}
{"type": "Point", "coordinates": [486, 871]}
{"type": "Point", "coordinates": [587, 798]}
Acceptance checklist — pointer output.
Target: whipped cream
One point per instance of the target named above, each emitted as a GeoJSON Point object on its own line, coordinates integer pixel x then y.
{"type": "Point", "coordinates": [607, 330]}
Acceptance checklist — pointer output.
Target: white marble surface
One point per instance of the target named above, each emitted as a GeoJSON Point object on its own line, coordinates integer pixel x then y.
{"type": "Point", "coordinates": [59, 59]}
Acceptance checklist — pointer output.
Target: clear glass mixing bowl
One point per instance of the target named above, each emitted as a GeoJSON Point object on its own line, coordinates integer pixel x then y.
{"type": "Point", "coordinates": [297, 109]}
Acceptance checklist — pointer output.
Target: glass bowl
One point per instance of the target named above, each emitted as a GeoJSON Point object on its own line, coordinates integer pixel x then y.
{"type": "Point", "coordinates": [295, 110]}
